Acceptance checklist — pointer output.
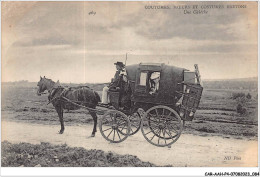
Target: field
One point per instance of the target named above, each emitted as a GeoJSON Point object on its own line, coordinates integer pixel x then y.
{"type": "Point", "coordinates": [217, 113]}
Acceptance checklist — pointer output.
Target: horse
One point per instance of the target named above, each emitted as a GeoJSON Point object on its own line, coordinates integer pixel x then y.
{"type": "Point", "coordinates": [81, 95]}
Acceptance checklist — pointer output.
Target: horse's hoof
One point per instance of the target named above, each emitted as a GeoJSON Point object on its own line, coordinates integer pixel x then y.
{"type": "Point", "coordinates": [92, 135]}
{"type": "Point", "coordinates": [61, 132]}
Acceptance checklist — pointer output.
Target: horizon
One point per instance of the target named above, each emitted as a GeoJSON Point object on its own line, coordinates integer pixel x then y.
{"type": "Point", "coordinates": [229, 79]}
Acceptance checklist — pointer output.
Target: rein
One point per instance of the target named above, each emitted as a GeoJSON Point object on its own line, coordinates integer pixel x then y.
{"type": "Point", "coordinates": [90, 109]}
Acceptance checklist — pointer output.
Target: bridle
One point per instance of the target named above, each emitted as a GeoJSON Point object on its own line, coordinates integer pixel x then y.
{"type": "Point", "coordinates": [41, 93]}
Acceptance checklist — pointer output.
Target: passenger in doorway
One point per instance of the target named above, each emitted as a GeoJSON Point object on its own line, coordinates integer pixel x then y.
{"type": "Point", "coordinates": [154, 82]}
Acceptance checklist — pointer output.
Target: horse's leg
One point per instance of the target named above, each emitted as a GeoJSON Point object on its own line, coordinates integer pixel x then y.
{"type": "Point", "coordinates": [94, 116]}
{"type": "Point", "coordinates": [59, 110]}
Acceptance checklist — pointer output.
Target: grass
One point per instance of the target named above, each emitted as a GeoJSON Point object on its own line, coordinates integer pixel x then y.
{"type": "Point", "coordinates": [47, 155]}
{"type": "Point", "coordinates": [217, 111]}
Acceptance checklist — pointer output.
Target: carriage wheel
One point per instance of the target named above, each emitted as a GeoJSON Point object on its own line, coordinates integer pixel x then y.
{"type": "Point", "coordinates": [112, 124]}
{"type": "Point", "coordinates": [135, 122]}
{"type": "Point", "coordinates": [162, 126]}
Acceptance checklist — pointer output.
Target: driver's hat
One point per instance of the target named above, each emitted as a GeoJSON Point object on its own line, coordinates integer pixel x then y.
{"type": "Point", "coordinates": [119, 63]}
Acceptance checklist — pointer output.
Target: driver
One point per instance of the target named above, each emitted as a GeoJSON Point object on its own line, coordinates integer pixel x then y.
{"type": "Point", "coordinates": [115, 82]}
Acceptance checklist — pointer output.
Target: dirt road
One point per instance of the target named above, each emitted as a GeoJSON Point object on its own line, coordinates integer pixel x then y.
{"type": "Point", "coordinates": [189, 150]}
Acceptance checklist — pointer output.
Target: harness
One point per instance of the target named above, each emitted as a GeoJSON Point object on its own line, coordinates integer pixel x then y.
{"type": "Point", "coordinates": [52, 92]}
{"type": "Point", "coordinates": [63, 93]}
{"type": "Point", "coordinates": [75, 103]}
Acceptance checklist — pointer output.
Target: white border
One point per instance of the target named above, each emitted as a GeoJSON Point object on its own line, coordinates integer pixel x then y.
{"type": "Point", "coordinates": [121, 171]}
{"type": "Point", "coordinates": [147, 0]}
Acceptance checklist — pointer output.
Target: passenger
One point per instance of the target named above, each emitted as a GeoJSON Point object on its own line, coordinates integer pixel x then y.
{"type": "Point", "coordinates": [115, 82]}
{"type": "Point", "coordinates": [154, 82]}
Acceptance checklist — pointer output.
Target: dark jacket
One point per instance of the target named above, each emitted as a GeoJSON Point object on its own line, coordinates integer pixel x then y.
{"type": "Point", "coordinates": [116, 81]}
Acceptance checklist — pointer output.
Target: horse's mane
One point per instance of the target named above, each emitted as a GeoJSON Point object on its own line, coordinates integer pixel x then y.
{"type": "Point", "coordinates": [48, 79]}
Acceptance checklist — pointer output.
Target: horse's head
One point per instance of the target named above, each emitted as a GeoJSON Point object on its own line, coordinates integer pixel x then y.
{"type": "Point", "coordinates": [42, 84]}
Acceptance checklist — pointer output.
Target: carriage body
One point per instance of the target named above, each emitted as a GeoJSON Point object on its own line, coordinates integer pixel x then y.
{"type": "Point", "coordinates": [178, 88]}
{"type": "Point", "coordinates": [140, 84]}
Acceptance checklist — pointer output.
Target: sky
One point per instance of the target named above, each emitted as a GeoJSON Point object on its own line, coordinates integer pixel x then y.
{"type": "Point", "coordinates": [79, 42]}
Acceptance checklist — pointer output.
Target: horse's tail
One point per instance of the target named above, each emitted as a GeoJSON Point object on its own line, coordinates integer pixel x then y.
{"type": "Point", "coordinates": [97, 97]}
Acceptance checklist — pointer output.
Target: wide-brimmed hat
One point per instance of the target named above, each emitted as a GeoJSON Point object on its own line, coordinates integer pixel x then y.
{"type": "Point", "coordinates": [155, 75]}
{"type": "Point", "coordinates": [119, 63]}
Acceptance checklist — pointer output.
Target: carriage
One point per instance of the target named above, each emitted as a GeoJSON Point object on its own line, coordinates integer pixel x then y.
{"type": "Point", "coordinates": [156, 98]}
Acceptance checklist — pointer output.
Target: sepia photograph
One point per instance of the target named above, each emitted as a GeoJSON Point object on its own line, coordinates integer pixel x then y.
{"type": "Point", "coordinates": [130, 84]}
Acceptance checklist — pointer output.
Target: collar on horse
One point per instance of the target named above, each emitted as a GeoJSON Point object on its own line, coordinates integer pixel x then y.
{"type": "Point", "coordinates": [57, 97]}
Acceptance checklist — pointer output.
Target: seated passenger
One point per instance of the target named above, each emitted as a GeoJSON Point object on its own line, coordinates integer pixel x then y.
{"type": "Point", "coordinates": [115, 83]}
{"type": "Point", "coordinates": [154, 82]}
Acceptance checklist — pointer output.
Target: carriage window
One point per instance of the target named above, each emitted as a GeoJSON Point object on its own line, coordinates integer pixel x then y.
{"type": "Point", "coordinates": [154, 80]}
{"type": "Point", "coordinates": [143, 77]}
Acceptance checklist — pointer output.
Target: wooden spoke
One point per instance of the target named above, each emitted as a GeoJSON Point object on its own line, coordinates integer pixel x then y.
{"type": "Point", "coordinates": [124, 128]}
{"type": "Point", "coordinates": [156, 112]}
{"type": "Point", "coordinates": [159, 137]}
{"type": "Point", "coordinates": [109, 133]}
{"type": "Point", "coordinates": [114, 135]}
{"type": "Point", "coordinates": [118, 134]}
{"type": "Point", "coordinates": [152, 137]}
{"type": "Point", "coordinates": [155, 134]}
{"type": "Point", "coordinates": [168, 115]}
{"type": "Point", "coordinates": [135, 125]}
{"type": "Point", "coordinates": [148, 132]}
{"type": "Point", "coordinates": [174, 129]}
{"type": "Point", "coordinates": [151, 115]}
{"type": "Point", "coordinates": [121, 120]}
{"type": "Point", "coordinates": [164, 136]}
{"type": "Point", "coordinates": [122, 124]}
{"type": "Point", "coordinates": [153, 122]}
{"type": "Point", "coordinates": [131, 130]}
{"type": "Point", "coordinates": [163, 112]}
{"type": "Point", "coordinates": [154, 128]}
{"type": "Point", "coordinates": [106, 129]}
{"type": "Point", "coordinates": [170, 135]}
